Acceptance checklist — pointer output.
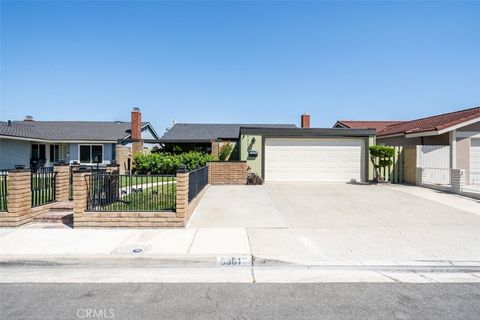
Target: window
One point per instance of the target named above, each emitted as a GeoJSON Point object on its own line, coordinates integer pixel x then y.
{"type": "Point", "coordinates": [97, 154]}
{"type": "Point", "coordinates": [91, 153]}
{"type": "Point", "coordinates": [54, 152]}
{"type": "Point", "coordinates": [38, 151]}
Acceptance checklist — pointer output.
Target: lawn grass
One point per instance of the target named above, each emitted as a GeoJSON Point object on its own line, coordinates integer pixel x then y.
{"type": "Point", "coordinates": [157, 198]}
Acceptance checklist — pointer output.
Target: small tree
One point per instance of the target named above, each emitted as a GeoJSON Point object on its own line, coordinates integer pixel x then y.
{"type": "Point", "coordinates": [225, 152]}
{"type": "Point", "coordinates": [381, 157]}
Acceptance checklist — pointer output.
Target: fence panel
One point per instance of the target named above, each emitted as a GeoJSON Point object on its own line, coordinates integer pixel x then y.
{"type": "Point", "coordinates": [43, 187]}
{"type": "Point", "coordinates": [472, 181]}
{"type": "Point", "coordinates": [438, 176]}
{"type": "Point", "coordinates": [197, 180]}
{"type": "Point", "coordinates": [394, 173]}
{"type": "Point", "coordinates": [3, 190]}
{"type": "Point", "coordinates": [115, 192]}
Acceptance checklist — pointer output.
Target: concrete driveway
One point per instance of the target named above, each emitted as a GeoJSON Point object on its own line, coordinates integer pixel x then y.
{"type": "Point", "coordinates": [314, 222]}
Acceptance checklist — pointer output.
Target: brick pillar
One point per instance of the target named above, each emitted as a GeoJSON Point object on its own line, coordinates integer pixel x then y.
{"type": "Point", "coordinates": [457, 179]}
{"type": "Point", "coordinates": [215, 149]}
{"type": "Point", "coordinates": [182, 191]}
{"type": "Point", "coordinates": [122, 154]}
{"type": "Point", "coordinates": [19, 197]}
{"type": "Point", "coordinates": [62, 181]}
{"type": "Point", "coordinates": [419, 176]}
{"type": "Point", "coordinates": [81, 187]}
{"type": "Point", "coordinates": [113, 168]}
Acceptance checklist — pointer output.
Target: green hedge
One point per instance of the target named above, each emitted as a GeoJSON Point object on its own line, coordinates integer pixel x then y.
{"type": "Point", "coordinates": [166, 163]}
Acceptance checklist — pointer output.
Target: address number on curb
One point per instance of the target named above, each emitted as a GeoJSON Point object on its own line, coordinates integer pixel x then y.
{"type": "Point", "coordinates": [234, 261]}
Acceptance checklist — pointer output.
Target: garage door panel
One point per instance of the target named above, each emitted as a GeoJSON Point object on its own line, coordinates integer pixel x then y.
{"type": "Point", "coordinates": [314, 160]}
{"type": "Point", "coordinates": [475, 155]}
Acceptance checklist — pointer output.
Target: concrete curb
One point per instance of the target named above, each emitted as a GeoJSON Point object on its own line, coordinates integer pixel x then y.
{"type": "Point", "coordinates": [202, 261]}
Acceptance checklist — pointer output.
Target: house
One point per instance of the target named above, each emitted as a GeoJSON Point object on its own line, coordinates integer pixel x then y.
{"type": "Point", "coordinates": [208, 137]}
{"type": "Point", "coordinates": [284, 152]}
{"type": "Point", "coordinates": [446, 141]}
{"type": "Point", "coordinates": [377, 125]}
{"type": "Point", "coordinates": [33, 143]}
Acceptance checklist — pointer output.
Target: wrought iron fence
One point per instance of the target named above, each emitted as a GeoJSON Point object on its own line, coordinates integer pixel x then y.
{"type": "Point", "coordinates": [70, 184]}
{"type": "Point", "coordinates": [3, 190]}
{"type": "Point", "coordinates": [42, 170]}
{"type": "Point", "coordinates": [43, 187]}
{"type": "Point", "coordinates": [197, 180]}
{"type": "Point", "coordinates": [117, 192]}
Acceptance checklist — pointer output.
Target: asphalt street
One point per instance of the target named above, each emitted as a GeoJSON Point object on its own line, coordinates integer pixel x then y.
{"type": "Point", "coordinates": [240, 301]}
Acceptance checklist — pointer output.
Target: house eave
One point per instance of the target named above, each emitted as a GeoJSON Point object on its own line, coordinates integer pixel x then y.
{"type": "Point", "coordinates": [390, 136]}
{"type": "Point", "coordinates": [55, 141]}
{"type": "Point", "coordinates": [309, 132]}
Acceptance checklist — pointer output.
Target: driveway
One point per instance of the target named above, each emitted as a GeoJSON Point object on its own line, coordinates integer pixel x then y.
{"type": "Point", "coordinates": [311, 222]}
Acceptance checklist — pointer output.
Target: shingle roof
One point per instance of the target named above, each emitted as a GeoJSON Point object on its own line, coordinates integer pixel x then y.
{"type": "Point", "coordinates": [433, 123]}
{"type": "Point", "coordinates": [184, 132]}
{"type": "Point", "coordinates": [67, 130]}
{"type": "Point", "coordinates": [377, 125]}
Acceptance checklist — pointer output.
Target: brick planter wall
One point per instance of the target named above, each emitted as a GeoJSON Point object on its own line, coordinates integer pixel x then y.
{"type": "Point", "coordinates": [227, 172]}
{"type": "Point", "coordinates": [19, 208]}
{"type": "Point", "coordinates": [152, 219]}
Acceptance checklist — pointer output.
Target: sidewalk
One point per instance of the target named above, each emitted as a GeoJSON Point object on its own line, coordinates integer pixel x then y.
{"type": "Point", "coordinates": [70, 243]}
{"type": "Point", "coordinates": [205, 246]}
{"type": "Point", "coordinates": [197, 255]}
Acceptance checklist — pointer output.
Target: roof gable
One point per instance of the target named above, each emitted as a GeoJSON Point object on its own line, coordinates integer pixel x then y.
{"type": "Point", "coordinates": [433, 123]}
{"type": "Point", "coordinates": [377, 125]}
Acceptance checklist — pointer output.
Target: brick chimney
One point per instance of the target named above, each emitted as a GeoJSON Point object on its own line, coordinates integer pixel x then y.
{"type": "Point", "coordinates": [136, 131]}
{"type": "Point", "coordinates": [305, 120]}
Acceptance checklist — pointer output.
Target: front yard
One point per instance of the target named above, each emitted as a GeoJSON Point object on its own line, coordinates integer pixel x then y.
{"type": "Point", "coordinates": [160, 198]}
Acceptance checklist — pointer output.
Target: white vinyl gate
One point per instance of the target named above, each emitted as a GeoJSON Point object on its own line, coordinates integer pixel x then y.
{"type": "Point", "coordinates": [435, 160]}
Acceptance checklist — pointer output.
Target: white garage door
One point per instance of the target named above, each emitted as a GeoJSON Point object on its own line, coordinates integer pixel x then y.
{"type": "Point", "coordinates": [314, 159]}
{"type": "Point", "coordinates": [475, 155]}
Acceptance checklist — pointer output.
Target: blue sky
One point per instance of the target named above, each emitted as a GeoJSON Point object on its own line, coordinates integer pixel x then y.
{"type": "Point", "coordinates": [248, 62]}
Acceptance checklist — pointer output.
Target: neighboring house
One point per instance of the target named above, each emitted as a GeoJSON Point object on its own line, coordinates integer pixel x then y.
{"type": "Point", "coordinates": [377, 125]}
{"type": "Point", "coordinates": [208, 137]}
{"type": "Point", "coordinates": [455, 135]}
{"type": "Point", "coordinates": [34, 143]}
{"type": "Point", "coordinates": [285, 152]}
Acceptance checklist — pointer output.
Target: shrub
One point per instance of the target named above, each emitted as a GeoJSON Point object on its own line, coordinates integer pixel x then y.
{"type": "Point", "coordinates": [166, 163]}
{"type": "Point", "coordinates": [381, 157]}
{"type": "Point", "coordinates": [253, 179]}
{"type": "Point", "coordinates": [225, 152]}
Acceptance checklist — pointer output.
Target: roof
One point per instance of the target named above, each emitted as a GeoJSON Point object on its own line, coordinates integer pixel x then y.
{"type": "Point", "coordinates": [67, 130]}
{"type": "Point", "coordinates": [204, 132]}
{"type": "Point", "coordinates": [433, 123]}
{"type": "Point", "coordinates": [377, 125]}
